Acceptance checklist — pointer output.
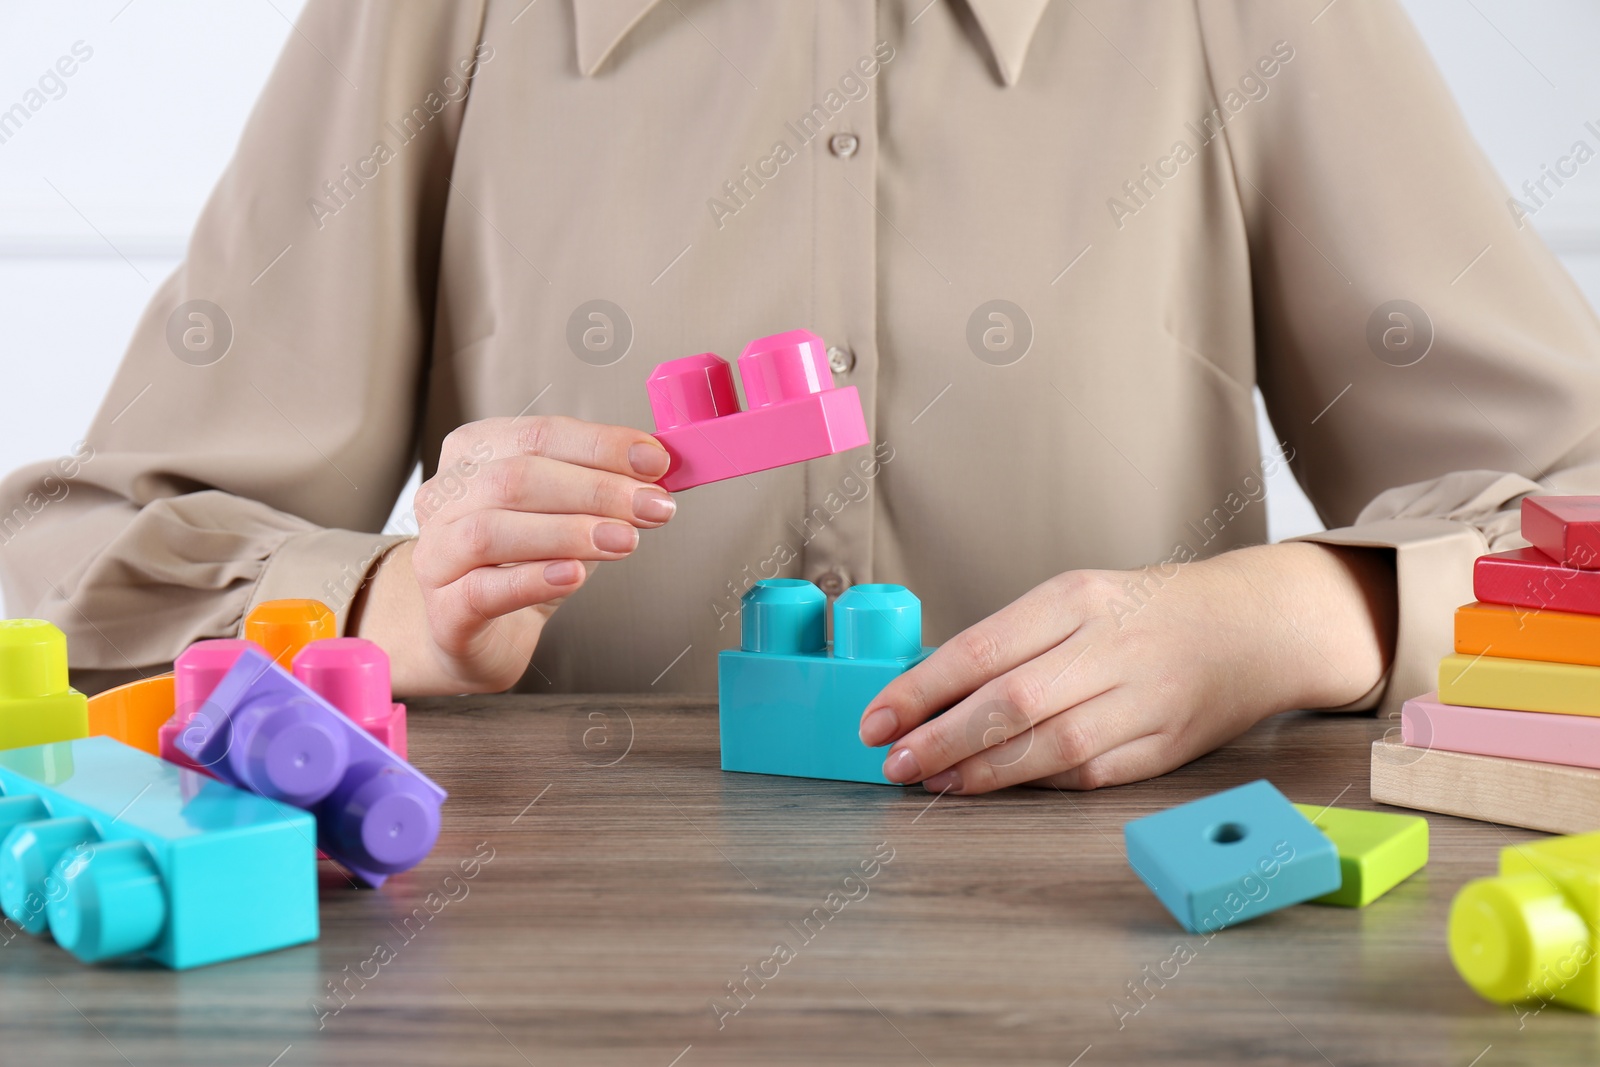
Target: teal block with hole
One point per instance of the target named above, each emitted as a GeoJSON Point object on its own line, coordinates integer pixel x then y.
{"type": "Point", "coordinates": [118, 854]}
{"type": "Point", "coordinates": [1232, 856]}
{"type": "Point", "coordinates": [788, 704]}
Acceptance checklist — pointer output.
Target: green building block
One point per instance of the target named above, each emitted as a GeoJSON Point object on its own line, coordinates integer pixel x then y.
{"type": "Point", "coordinates": [37, 706]}
{"type": "Point", "coordinates": [1377, 850]}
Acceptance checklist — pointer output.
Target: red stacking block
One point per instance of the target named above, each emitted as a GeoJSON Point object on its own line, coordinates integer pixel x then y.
{"type": "Point", "coordinates": [1527, 578]}
{"type": "Point", "coordinates": [1565, 528]}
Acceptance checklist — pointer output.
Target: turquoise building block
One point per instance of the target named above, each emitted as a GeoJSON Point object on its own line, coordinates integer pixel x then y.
{"type": "Point", "coordinates": [118, 853]}
{"type": "Point", "coordinates": [1232, 856]}
{"type": "Point", "coordinates": [789, 705]}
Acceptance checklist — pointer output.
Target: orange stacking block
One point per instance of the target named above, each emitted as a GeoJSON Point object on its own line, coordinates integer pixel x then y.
{"type": "Point", "coordinates": [284, 627]}
{"type": "Point", "coordinates": [1527, 633]}
{"type": "Point", "coordinates": [133, 713]}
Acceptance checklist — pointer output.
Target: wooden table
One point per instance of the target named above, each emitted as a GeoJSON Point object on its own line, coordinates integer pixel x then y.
{"type": "Point", "coordinates": [623, 882]}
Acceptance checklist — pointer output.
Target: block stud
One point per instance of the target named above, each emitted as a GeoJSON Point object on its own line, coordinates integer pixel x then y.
{"type": "Point", "coordinates": [877, 622]}
{"type": "Point", "coordinates": [284, 627]}
{"type": "Point", "coordinates": [785, 615]}
{"type": "Point", "coordinates": [1516, 938]}
{"type": "Point", "coordinates": [383, 820]}
{"type": "Point", "coordinates": [350, 673]}
{"type": "Point", "coordinates": [285, 749]}
{"type": "Point", "coordinates": [783, 367]}
{"type": "Point", "coordinates": [17, 810]}
{"type": "Point", "coordinates": [33, 659]}
{"type": "Point", "coordinates": [691, 389]}
{"type": "Point", "coordinates": [112, 903]}
{"type": "Point", "coordinates": [27, 857]}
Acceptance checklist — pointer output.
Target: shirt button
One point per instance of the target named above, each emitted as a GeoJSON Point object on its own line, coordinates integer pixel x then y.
{"type": "Point", "coordinates": [844, 145]}
{"type": "Point", "coordinates": [833, 583]}
{"type": "Point", "coordinates": [841, 360]}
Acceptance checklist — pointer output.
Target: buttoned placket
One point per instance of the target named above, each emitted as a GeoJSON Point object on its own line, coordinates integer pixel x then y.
{"type": "Point", "coordinates": [840, 498]}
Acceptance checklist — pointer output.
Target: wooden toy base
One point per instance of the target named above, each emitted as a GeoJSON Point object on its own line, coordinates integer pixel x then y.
{"type": "Point", "coordinates": [1538, 796]}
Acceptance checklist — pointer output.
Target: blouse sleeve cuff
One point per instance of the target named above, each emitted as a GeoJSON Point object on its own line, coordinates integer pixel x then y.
{"type": "Point", "coordinates": [325, 565]}
{"type": "Point", "coordinates": [1433, 574]}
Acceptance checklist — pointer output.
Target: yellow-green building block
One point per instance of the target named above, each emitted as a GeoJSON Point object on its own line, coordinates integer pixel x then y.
{"type": "Point", "coordinates": [37, 706]}
{"type": "Point", "coordinates": [1530, 934]}
{"type": "Point", "coordinates": [1377, 850]}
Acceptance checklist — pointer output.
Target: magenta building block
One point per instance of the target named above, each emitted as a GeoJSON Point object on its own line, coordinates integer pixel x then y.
{"type": "Point", "coordinates": [1528, 735]}
{"type": "Point", "coordinates": [264, 730]}
{"type": "Point", "coordinates": [352, 674]}
{"type": "Point", "coordinates": [1527, 578]}
{"type": "Point", "coordinates": [1565, 528]}
{"type": "Point", "coordinates": [195, 674]}
{"type": "Point", "coordinates": [794, 412]}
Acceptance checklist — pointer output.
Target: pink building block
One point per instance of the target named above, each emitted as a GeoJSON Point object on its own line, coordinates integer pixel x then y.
{"type": "Point", "coordinates": [196, 673]}
{"type": "Point", "coordinates": [1527, 735]}
{"type": "Point", "coordinates": [794, 413]}
{"type": "Point", "coordinates": [352, 674]}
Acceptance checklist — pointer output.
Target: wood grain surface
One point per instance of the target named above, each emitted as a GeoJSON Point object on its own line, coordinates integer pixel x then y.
{"type": "Point", "coordinates": [1540, 796]}
{"type": "Point", "coordinates": [628, 881]}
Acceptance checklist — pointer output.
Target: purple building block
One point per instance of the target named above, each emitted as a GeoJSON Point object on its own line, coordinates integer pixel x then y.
{"type": "Point", "coordinates": [264, 730]}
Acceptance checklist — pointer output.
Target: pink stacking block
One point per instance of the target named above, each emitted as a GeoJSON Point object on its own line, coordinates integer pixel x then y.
{"type": "Point", "coordinates": [196, 673]}
{"type": "Point", "coordinates": [794, 411]}
{"type": "Point", "coordinates": [1527, 735]}
{"type": "Point", "coordinates": [352, 674]}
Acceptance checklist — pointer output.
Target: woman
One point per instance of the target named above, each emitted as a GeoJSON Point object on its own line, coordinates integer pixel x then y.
{"type": "Point", "coordinates": [1054, 245]}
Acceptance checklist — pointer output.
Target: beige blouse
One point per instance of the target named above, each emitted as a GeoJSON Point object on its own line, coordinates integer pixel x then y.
{"type": "Point", "coordinates": [1054, 245]}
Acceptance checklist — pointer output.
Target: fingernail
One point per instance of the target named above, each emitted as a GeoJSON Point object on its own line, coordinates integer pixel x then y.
{"type": "Point", "coordinates": [614, 537]}
{"type": "Point", "coordinates": [944, 781]}
{"type": "Point", "coordinates": [563, 572]}
{"type": "Point", "coordinates": [902, 766]}
{"type": "Point", "coordinates": [878, 727]}
{"type": "Point", "coordinates": [653, 505]}
{"type": "Point", "coordinates": [649, 461]}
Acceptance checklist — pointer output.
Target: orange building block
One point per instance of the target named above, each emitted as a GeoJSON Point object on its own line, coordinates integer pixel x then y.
{"type": "Point", "coordinates": [133, 713]}
{"type": "Point", "coordinates": [284, 627]}
{"type": "Point", "coordinates": [1528, 633]}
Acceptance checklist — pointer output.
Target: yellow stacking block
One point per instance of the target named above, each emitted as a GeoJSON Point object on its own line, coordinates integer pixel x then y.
{"type": "Point", "coordinates": [1529, 934]}
{"type": "Point", "coordinates": [37, 705]}
{"type": "Point", "coordinates": [1519, 684]}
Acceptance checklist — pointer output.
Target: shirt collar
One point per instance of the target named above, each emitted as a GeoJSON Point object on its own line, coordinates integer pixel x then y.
{"type": "Point", "coordinates": [1007, 27]}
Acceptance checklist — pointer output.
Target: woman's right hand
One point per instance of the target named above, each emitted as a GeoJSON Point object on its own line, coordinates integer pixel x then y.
{"type": "Point", "coordinates": [517, 515]}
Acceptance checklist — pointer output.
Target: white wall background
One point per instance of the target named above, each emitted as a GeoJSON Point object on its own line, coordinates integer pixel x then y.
{"type": "Point", "coordinates": [99, 189]}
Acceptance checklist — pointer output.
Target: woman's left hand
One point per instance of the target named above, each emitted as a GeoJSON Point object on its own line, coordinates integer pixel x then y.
{"type": "Point", "coordinates": [1103, 677]}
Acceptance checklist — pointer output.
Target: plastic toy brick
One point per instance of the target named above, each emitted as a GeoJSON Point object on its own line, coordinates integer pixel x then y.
{"type": "Point", "coordinates": [1527, 578]}
{"type": "Point", "coordinates": [134, 713]}
{"type": "Point", "coordinates": [787, 703]}
{"type": "Point", "coordinates": [196, 673]}
{"type": "Point", "coordinates": [1232, 856]}
{"type": "Point", "coordinates": [1540, 796]}
{"type": "Point", "coordinates": [1565, 528]}
{"type": "Point", "coordinates": [1529, 934]}
{"type": "Point", "coordinates": [1377, 850]}
{"type": "Point", "coordinates": [1519, 684]}
{"type": "Point", "coordinates": [264, 730]}
{"type": "Point", "coordinates": [284, 627]}
{"type": "Point", "coordinates": [1520, 633]}
{"type": "Point", "coordinates": [352, 674]}
{"type": "Point", "coordinates": [795, 412]}
{"type": "Point", "coordinates": [36, 703]}
{"type": "Point", "coordinates": [119, 853]}
{"type": "Point", "coordinates": [1525, 735]}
